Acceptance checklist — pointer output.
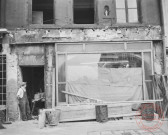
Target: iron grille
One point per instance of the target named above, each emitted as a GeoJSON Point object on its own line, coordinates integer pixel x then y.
{"type": "Point", "coordinates": [2, 79]}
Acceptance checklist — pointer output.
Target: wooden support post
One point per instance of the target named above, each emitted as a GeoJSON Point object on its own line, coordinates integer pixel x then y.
{"type": "Point", "coordinates": [49, 55]}
{"type": "Point", "coordinates": [164, 11]}
{"type": "Point", "coordinates": [53, 88]}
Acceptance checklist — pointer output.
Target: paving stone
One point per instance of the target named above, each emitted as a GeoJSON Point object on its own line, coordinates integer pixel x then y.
{"type": "Point", "coordinates": [159, 133]}
{"type": "Point", "coordinates": [93, 133]}
{"type": "Point", "coordinates": [130, 132]}
{"type": "Point", "coordinates": [118, 132]}
{"type": "Point", "coordinates": [106, 133]}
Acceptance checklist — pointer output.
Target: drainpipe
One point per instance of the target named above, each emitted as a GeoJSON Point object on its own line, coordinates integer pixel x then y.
{"type": "Point", "coordinates": [164, 15]}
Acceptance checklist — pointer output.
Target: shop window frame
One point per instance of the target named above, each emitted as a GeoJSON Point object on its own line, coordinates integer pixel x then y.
{"type": "Point", "coordinates": [125, 48]}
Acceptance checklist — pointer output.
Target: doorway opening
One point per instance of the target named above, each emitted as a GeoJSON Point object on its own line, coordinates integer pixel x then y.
{"type": "Point", "coordinates": [34, 76]}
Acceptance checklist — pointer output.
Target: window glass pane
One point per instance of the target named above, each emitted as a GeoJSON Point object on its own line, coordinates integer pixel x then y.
{"type": "Point", "coordinates": [61, 68]}
{"type": "Point", "coordinates": [101, 76]}
{"type": "Point", "coordinates": [61, 95]}
{"type": "Point", "coordinates": [1, 97]}
{"type": "Point", "coordinates": [148, 73]}
{"type": "Point", "coordinates": [83, 11]}
{"type": "Point", "coordinates": [121, 16]}
{"type": "Point", "coordinates": [132, 15]}
{"type": "Point", "coordinates": [147, 65]}
{"type": "Point", "coordinates": [132, 3]}
{"type": "Point", "coordinates": [120, 3]}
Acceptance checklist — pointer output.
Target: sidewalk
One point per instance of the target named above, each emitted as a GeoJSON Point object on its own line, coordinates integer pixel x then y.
{"type": "Point", "coordinates": [120, 127]}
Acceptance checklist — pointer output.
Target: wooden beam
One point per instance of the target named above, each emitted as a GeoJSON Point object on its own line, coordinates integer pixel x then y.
{"type": "Point", "coordinates": [105, 102]}
{"type": "Point", "coordinates": [53, 88]}
{"type": "Point", "coordinates": [164, 11]}
{"type": "Point", "coordinates": [49, 53]}
{"type": "Point", "coordinates": [73, 94]}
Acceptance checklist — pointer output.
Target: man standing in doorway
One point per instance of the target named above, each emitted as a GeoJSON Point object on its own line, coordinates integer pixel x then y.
{"type": "Point", "coordinates": [23, 102]}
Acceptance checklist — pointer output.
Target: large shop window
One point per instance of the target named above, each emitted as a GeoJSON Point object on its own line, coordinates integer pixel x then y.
{"type": "Point", "coordinates": [105, 76]}
{"type": "Point", "coordinates": [83, 11]}
{"type": "Point", "coordinates": [126, 11]}
{"type": "Point", "coordinates": [42, 11]}
{"type": "Point", "coordinates": [2, 79]}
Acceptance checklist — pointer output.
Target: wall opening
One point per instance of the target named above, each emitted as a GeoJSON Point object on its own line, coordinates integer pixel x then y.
{"type": "Point", "coordinates": [42, 12]}
{"type": "Point", "coordinates": [84, 11]}
{"type": "Point", "coordinates": [34, 76]}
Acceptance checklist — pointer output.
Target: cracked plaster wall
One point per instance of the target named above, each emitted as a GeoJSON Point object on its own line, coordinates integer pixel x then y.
{"type": "Point", "coordinates": [80, 35]}
{"type": "Point", "coordinates": [11, 89]}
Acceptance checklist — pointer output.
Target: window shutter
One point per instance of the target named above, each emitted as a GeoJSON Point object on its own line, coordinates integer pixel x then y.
{"type": "Point", "coordinates": [63, 12]}
{"type": "Point", "coordinates": [16, 13]}
{"type": "Point", "coordinates": [101, 7]}
{"type": "Point", "coordinates": [150, 12]}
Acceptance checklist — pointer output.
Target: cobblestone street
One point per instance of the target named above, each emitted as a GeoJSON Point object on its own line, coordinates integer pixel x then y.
{"type": "Point", "coordinates": [120, 127]}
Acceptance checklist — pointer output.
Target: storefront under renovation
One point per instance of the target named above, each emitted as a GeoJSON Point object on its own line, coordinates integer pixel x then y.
{"type": "Point", "coordinates": [74, 76]}
{"type": "Point", "coordinates": [75, 54]}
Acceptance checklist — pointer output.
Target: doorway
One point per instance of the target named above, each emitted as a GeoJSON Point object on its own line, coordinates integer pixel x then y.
{"type": "Point", "coordinates": [34, 76]}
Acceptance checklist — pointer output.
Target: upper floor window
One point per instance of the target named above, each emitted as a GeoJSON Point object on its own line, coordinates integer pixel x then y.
{"type": "Point", "coordinates": [42, 11]}
{"type": "Point", "coordinates": [83, 12]}
{"type": "Point", "coordinates": [126, 11]}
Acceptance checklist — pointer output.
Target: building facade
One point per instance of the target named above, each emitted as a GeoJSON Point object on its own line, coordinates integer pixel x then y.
{"type": "Point", "coordinates": [81, 47]}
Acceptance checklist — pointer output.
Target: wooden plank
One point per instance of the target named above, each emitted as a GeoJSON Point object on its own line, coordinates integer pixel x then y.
{"type": "Point", "coordinates": [165, 100]}
{"type": "Point", "coordinates": [56, 61]}
{"type": "Point", "coordinates": [164, 9]}
{"type": "Point", "coordinates": [105, 102]}
{"type": "Point", "coordinates": [73, 94]}
{"type": "Point", "coordinates": [86, 112]}
{"type": "Point", "coordinates": [143, 77]}
{"type": "Point", "coordinates": [49, 53]}
{"type": "Point", "coordinates": [53, 88]}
